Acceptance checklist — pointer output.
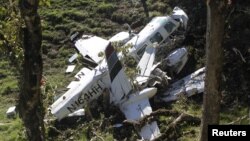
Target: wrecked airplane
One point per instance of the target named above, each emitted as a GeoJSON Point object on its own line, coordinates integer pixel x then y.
{"type": "Point", "coordinates": [101, 73]}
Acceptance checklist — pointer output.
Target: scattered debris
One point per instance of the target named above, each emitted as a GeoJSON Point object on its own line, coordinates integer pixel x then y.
{"type": "Point", "coordinates": [11, 112]}
{"type": "Point", "coordinates": [70, 68]}
{"type": "Point", "coordinates": [80, 112]}
{"type": "Point", "coordinates": [73, 57]}
{"type": "Point", "coordinates": [239, 53]}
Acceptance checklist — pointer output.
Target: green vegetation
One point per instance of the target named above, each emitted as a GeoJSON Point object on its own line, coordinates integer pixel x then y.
{"type": "Point", "coordinates": [12, 131]}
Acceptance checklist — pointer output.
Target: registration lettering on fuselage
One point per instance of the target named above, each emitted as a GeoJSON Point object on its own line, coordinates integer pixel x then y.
{"type": "Point", "coordinates": [87, 96]}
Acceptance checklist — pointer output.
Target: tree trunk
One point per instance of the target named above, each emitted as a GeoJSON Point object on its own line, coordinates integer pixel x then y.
{"type": "Point", "coordinates": [30, 100]}
{"type": "Point", "coordinates": [145, 7]}
{"type": "Point", "coordinates": [214, 57]}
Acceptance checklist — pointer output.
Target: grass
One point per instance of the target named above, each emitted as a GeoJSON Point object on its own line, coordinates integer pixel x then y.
{"type": "Point", "coordinates": [12, 131]}
{"type": "Point", "coordinates": [234, 115]}
{"type": "Point", "coordinates": [8, 81]}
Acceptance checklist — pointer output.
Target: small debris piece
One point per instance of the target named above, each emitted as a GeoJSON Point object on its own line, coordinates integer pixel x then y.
{"type": "Point", "coordinates": [70, 68]}
{"type": "Point", "coordinates": [80, 112]}
{"type": "Point", "coordinates": [73, 57]}
{"type": "Point", "coordinates": [11, 112]}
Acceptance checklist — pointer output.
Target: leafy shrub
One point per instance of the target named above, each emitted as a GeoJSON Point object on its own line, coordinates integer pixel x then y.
{"type": "Point", "coordinates": [47, 35]}
{"type": "Point", "coordinates": [121, 17]}
{"type": "Point", "coordinates": [75, 15]}
{"type": "Point", "coordinates": [106, 8]}
{"type": "Point", "coordinates": [159, 6]}
{"type": "Point", "coordinates": [154, 14]}
{"type": "Point", "coordinates": [54, 36]}
{"type": "Point", "coordinates": [63, 27]}
{"type": "Point", "coordinates": [52, 54]}
{"type": "Point", "coordinates": [54, 17]}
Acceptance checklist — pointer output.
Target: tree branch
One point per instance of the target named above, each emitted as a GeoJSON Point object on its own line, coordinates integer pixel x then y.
{"type": "Point", "coordinates": [171, 127]}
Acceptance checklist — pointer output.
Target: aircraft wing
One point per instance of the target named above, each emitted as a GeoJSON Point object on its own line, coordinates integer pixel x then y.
{"type": "Point", "coordinates": [134, 106]}
{"type": "Point", "coordinates": [189, 85]}
{"type": "Point", "coordinates": [145, 65]}
{"type": "Point", "coordinates": [91, 46]}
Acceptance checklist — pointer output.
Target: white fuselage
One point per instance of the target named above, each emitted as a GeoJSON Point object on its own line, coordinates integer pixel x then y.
{"type": "Point", "coordinates": [96, 80]}
{"type": "Point", "coordinates": [90, 87]}
{"type": "Point", "coordinates": [157, 31]}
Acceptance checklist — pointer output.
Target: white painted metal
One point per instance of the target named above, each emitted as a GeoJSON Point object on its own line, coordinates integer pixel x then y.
{"type": "Point", "coordinates": [11, 112]}
{"type": "Point", "coordinates": [70, 68]}
{"type": "Point", "coordinates": [91, 46]}
{"type": "Point", "coordinates": [188, 86]}
{"type": "Point", "coordinates": [177, 59]}
{"type": "Point", "coordinates": [134, 105]}
{"type": "Point", "coordinates": [121, 37]}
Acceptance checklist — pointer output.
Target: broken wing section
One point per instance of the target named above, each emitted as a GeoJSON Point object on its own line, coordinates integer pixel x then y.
{"type": "Point", "coordinates": [91, 46]}
{"type": "Point", "coordinates": [189, 85]}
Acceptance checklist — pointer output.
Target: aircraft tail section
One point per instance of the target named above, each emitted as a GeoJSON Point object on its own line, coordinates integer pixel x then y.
{"type": "Point", "coordinates": [119, 82]}
{"type": "Point", "coordinates": [134, 105]}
